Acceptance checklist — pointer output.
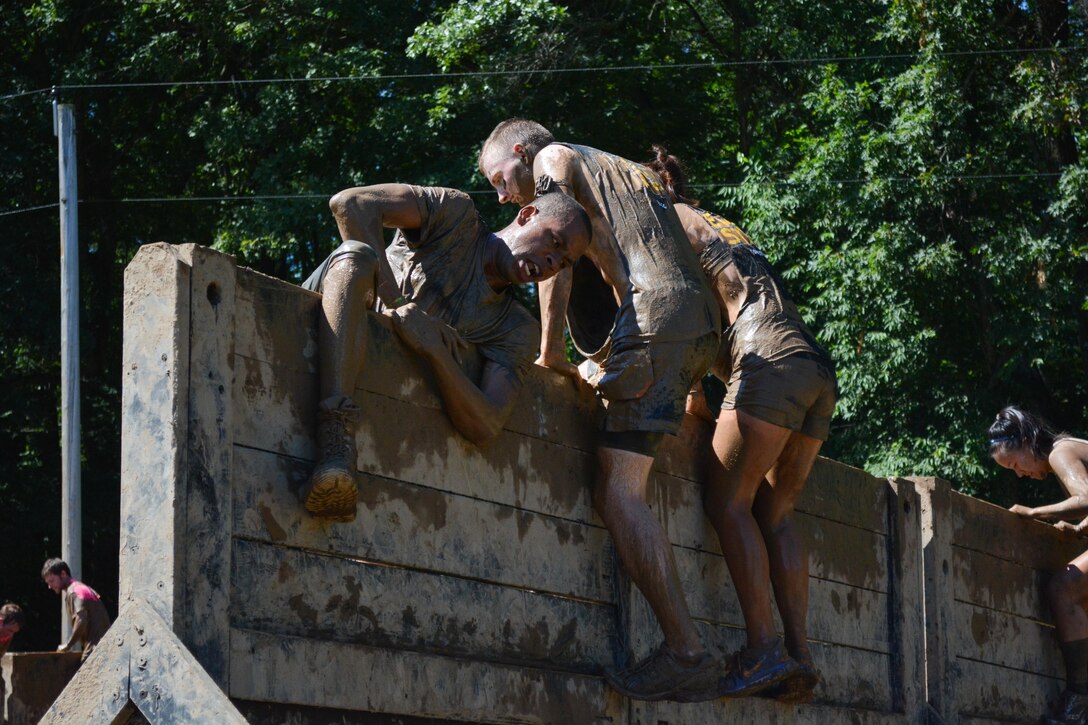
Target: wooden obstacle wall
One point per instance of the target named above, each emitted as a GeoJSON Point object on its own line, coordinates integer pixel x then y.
{"type": "Point", "coordinates": [994, 655]}
{"type": "Point", "coordinates": [476, 585]}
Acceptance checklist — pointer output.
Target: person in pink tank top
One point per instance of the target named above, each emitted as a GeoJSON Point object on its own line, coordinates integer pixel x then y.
{"type": "Point", "coordinates": [85, 609]}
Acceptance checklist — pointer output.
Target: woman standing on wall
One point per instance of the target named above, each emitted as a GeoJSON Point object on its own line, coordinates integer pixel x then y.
{"type": "Point", "coordinates": [1025, 444]}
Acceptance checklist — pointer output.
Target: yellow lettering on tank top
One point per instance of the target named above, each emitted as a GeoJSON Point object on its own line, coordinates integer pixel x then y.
{"type": "Point", "coordinates": [729, 232]}
{"type": "Point", "coordinates": [643, 176]}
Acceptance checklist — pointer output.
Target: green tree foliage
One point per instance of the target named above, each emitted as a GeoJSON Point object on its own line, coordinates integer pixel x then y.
{"type": "Point", "coordinates": [916, 170]}
{"type": "Point", "coordinates": [933, 222]}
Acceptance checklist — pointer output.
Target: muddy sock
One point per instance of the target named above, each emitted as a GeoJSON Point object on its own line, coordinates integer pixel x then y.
{"type": "Point", "coordinates": [1075, 654]}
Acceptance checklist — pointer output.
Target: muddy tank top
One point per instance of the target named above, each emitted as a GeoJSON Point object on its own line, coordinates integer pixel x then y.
{"type": "Point", "coordinates": [666, 297]}
{"type": "Point", "coordinates": [768, 326]}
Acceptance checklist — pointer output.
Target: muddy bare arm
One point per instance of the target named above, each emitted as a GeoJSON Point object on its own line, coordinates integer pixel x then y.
{"type": "Point", "coordinates": [79, 630]}
{"type": "Point", "coordinates": [1071, 471]}
{"type": "Point", "coordinates": [558, 163]}
{"type": "Point", "coordinates": [478, 413]}
{"type": "Point", "coordinates": [363, 212]}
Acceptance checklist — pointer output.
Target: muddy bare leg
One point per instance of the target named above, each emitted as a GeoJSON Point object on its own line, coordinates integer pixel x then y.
{"type": "Point", "coordinates": [348, 291]}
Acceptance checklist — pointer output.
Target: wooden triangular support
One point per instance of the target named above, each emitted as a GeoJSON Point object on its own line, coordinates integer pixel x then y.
{"type": "Point", "coordinates": [141, 664]}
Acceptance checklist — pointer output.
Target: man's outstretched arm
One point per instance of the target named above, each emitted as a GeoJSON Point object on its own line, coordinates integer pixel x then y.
{"type": "Point", "coordinates": [79, 630]}
{"type": "Point", "coordinates": [363, 213]}
{"type": "Point", "coordinates": [554, 295]}
{"type": "Point", "coordinates": [557, 164]}
{"type": "Point", "coordinates": [478, 413]}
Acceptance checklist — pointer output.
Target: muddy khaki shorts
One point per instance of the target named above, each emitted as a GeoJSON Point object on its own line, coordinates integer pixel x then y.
{"type": "Point", "coordinates": [646, 383]}
{"type": "Point", "coordinates": [797, 392]}
{"type": "Point", "coordinates": [316, 281]}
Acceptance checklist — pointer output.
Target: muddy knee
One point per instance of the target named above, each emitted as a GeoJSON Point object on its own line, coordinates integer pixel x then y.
{"type": "Point", "coordinates": [355, 265]}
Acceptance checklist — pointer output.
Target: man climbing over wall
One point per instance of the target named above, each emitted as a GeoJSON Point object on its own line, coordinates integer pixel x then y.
{"type": "Point", "coordinates": [443, 281]}
{"type": "Point", "coordinates": [644, 312]}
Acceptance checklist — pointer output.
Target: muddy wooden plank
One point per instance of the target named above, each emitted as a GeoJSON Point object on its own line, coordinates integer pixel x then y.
{"type": "Point", "coordinates": [842, 696]}
{"type": "Point", "coordinates": [206, 541]}
{"type": "Point", "coordinates": [841, 550]}
{"type": "Point", "coordinates": [99, 690]}
{"type": "Point", "coordinates": [906, 597]}
{"type": "Point", "coordinates": [1006, 640]}
{"type": "Point", "coordinates": [283, 335]}
{"type": "Point", "coordinates": [836, 492]}
{"type": "Point", "coordinates": [358, 677]}
{"type": "Point", "coordinates": [154, 428]}
{"type": "Point", "coordinates": [167, 683]}
{"type": "Point", "coordinates": [935, 520]}
{"type": "Point", "coordinates": [275, 408]}
{"type": "Point", "coordinates": [394, 442]}
{"type": "Point", "coordinates": [985, 527]}
{"type": "Point", "coordinates": [516, 470]}
{"type": "Point", "coordinates": [841, 686]}
{"type": "Point", "coordinates": [279, 590]}
{"type": "Point", "coordinates": [838, 614]}
{"type": "Point", "coordinates": [846, 494]}
{"type": "Point", "coordinates": [421, 527]}
{"type": "Point", "coordinates": [281, 321]}
{"type": "Point", "coordinates": [843, 553]}
{"type": "Point", "coordinates": [852, 678]}
{"type": "Point", "coordinates": [678, 504]}
{"type": "Point", "coordinates": [270, 713]}
{"type": "Point", "coordinates": [989, 692]}
{"type": "Point", "coordinates": [550, 409]}
{"type": "Point", "coordinates": [754, 710]}
{"type": "Point", "coordinates": [845, 615]}
{"type": "Point", "coordinates": [1000, 584]}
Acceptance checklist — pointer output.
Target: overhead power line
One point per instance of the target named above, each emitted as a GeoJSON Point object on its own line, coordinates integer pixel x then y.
{"type": "Point", "coordinates": [488, 192]}
{"type": "Point", "coordinates": [27, 209]}
{"type": "Point", "coordinates": [819, 60]}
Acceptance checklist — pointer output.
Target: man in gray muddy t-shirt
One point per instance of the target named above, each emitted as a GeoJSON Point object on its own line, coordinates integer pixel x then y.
{"type": "Point", "coordinates": [444, 280]}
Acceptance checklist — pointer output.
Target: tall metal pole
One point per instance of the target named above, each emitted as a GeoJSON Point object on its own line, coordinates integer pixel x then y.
{"type": "Point", "coordinates": [64, 128]}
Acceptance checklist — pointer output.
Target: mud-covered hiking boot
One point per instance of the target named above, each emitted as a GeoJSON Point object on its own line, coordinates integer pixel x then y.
{"type": "Point", "coordinates": [748, 672]}
{"type": "Point", "coordinates": [796, 689]}
{"type": "Point", "coordinates": [331, 492]}
{"type": "Point", "coordinates": [662, 676]}
{"type": "Point", "coordinates": [1070, 709]}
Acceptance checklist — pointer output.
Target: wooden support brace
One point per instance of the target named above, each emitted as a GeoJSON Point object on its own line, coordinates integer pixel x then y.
{"type": "Point", "coordinates": [141, 663]}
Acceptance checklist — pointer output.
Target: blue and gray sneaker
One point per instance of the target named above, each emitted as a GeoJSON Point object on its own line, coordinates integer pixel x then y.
{"type": "Point", "coordinates": [749, 671]}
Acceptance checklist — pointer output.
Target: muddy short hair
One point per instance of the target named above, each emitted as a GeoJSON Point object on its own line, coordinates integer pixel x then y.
{"type": "Point", "coordinates": [565, 208]}
{"type": "Point", "coordinates": [529, 134]}
{"type": "Point", "coordinates": [12, 613]}
{"type": "Point", "coordinates": [55, 566]}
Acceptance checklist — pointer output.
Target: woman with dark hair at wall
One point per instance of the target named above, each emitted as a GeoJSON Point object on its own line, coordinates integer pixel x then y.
{"type": "Point", "coordinates": [1025, 444]}
{"type": "Point", "coordinates": [780, 394]}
